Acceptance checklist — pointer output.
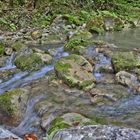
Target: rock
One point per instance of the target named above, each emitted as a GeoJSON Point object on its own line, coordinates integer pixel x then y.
{"type": "Point", "coordinates": [36, 34]}
{"type": "Point", "coordinates": [24, 51]}
{"type": "Point", "coordinates": [4, 74]}
{"type": "Point", "coordinates": [68, 120]}
{"type": "Point", "coordinates": [28, 62]}
{"type": "Point", "coordinates": [127, 79]}
{"type": "Point", "coordinates": [8, 51]}
{"type": "Point", "coordinates": [7, 135]}
{"type": "Point", "coordinates": [75, 71]}
{"type": "Point", "coordinates": [95, 25]}
{"type": "Point", "coordinates": [17, 45]}
{"type": "Point", "coordinates": [95, 132]}
{"type": "Point", "coordinates": [13, 106]}
{"type": "Point", "coordinates": [124, 61]}
{"type": "Point", "coordinates": [81, 34]}
{"type": "Point", "coordinates": [46, 58]}
{"type": "Point", "coordinates": [105, 94]}
{"type": "Point", "coordinates": [78, 41]}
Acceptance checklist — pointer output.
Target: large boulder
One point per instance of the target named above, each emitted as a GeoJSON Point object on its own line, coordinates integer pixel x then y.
{"type": "Point", "coordinates": [75, 71]}
{"type": "Point", "coordinates": [95, 132]}
{"type": "Point", "coordinates": [13, 105]}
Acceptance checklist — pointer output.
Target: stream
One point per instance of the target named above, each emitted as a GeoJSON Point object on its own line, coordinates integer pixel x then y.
{"type": "Point", "coordinates": [125, 111]}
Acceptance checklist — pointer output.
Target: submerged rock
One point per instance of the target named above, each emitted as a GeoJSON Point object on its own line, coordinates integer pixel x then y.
{"type": "Point", "coordinates": [13, 106]}
{"type": "Point", "coordinates": [7, 135]}
{"type": "Point", "coordinates": [75, 71]}
{"type": "Point", "coordinates": [106, 94]}
{"type": "Point", "coordinates": [95, 132]}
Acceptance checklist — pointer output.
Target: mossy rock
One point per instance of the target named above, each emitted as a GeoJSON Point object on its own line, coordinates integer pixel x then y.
{"type": "Point", "coordinates": [13, 104]}
{"type": "Point", "coordinates": [75, 71]}
{"type": "Point", "coordinates": [17, 45]}
{"type": "Point", "coordinates": [82, 34]}
{"type": "Point", "coordinates": [95, 25]}
{"type": "Point", "coordinates": [2, 47]}
{"type": "Point", "coordinates": [124, 61]}
{"type": "Point", "coordinates": [77, 46]}
{"type": "Point", "coordinates": [28, 62]}
{"type": "Point", "coordinates": [68, 120]}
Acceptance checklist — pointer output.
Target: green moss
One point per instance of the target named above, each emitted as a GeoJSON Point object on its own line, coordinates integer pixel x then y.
{"type": "Point", "coordinates": [29, 62]}
{"type": "Point", "coordinates": [5, 102]}
{"type": "Point", "coordinates": [74, 43]}
{"type": "Point", "coordinates": [96, 24]}
{"type": "Point", "coordinates": [124, 61]}
{"type": "Point", "coordinates": [62, 66]}
{"type": "Point", "coordinates": [57, 123]}
{"type": "Point", "coordinates": [87, 83]}
{"type": "Point", "coordinates": [71, 81]}
{"type": "Point", "coordinates": [82, 34]}
{"type": "Point", "coordinates": [2, 46]}
{"type": "Point", "coordinates": [17, 45]}
{"type": "Point", "coordinates": [72, 19]}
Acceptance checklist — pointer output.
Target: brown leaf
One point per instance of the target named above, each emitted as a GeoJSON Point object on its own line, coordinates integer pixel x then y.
{"type": "Point", "coordinates": [30, 136]}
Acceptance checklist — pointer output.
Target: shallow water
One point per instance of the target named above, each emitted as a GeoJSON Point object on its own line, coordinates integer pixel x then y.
{"type": "Point", "coordinates": [126, 106]}
{"type": "Point", "coordinates": [24, 77]}
{"type": "Point", "coordinates": [128, 38]}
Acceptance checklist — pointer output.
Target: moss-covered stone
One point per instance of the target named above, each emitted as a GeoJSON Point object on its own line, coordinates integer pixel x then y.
{"type": "Point", "coordinates": [17, 45]}
{"type": "Point", "coordinates": [75, 71]}
{"type": "Point", "coordinates": [124, 61]}
{"type": "Point", "coordinates": [68, 120]}
{"type": "Point", "coordinates": [58, 123]}
{"type": "Point", "coordinates": [82, 34]}
{"type": "Point", "coordinates": [95, 25]}
{"type": "Point", "coordinates": [12, 105]}
{"type": "Point", "coordinates": [77, 46]}
{"type": "Point", "coordinates": [28, 62]}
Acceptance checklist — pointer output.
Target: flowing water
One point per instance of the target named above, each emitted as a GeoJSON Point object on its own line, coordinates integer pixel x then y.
{"type": "Point", "coordinates": [22, 78]}
{"type": "Point", "coordinates": [123, 107]}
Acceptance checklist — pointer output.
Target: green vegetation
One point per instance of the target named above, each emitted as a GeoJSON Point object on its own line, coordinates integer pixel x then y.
{"type": "Point", "coordinates": [74, 11]}
{"type": "Point", "coordinates": [17, 45]}
{"type": "Point", "coordinates": [28, 62]}
{"type": "Point", "coordinates": [7, 107]}
{"type": "Point", "coordinates": [124, 61]}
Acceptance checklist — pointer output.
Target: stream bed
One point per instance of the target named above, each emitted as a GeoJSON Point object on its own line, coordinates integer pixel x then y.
{"type": "Point", "coordinates": [119, 104]}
